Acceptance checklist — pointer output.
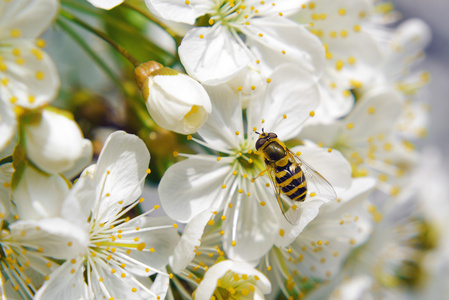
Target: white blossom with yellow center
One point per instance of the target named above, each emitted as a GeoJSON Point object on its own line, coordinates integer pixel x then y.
{"type": "Point", "coordinates": [385, 263]}
{"type": "Point", "coordinates": [108, 255]}
{"type": "Point", "coordinates": [23, 265]}
{"type": "Point", "coordinates": [232, 34]}
{"type": "Point", "coordinates": [251, 216]}
{"type": "Point", "coordinates": [352, 55]}
{"type": "Point", "coordinates": [365, 137]}
{"type": "Point", "coordinates": [28, 76]}
{"type": "Point", "coordinates": [318, 253]}
{"type": "Point", "coordinates": [232, 280]}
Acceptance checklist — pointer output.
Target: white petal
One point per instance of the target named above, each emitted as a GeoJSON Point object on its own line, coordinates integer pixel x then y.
{"type": "Point", "coordinates": [158, 234]}
{"type": "Point", "coordinates": [56, 237]}
{"type": "Point", "coordinates": [54, 143]}
{"type": "Point", "coordinates": [284, 41]}
{"type": "Point", "coordinates": [413, 34]}
{"type": "Point", "coordinates": [308, 210]}
{"type": "Point", "coordinates": [78, 204]}
{"type": "Point", "coordinates": [38, 195]}
{"type": "Point", "coordinates": [193, 185]}
{"type": "Point", "coordinates": [120, 173]}
{"type": "Point", "coordinates": [377, 112]}
{"type": "Point", "coordinates": [105, 4]}
{"type": "Point", "coordinates": [160, 285]}
{"type": "Point", "coordinates": [31, 17]}
{"type": "Point", "coordinates": [82, 162]}
{"type": "Point", "coordinates": [67, 282]}
{"type": "Point", "coordinates": [178, 10]}
{"type": "Point", "coordinates": [214, 58]}
{"type": "Point", "coordinates": [333, 166]}
{"type": "Point", "coordinates": [325, 134]}
{"type": "Point", "coordinates": [355, 288]}
{"type": "Point", "coordinates": [190, 240]}
{"type": "Point", "coordinates": [8, 125]}
{"type": "Point", "coordinates": [122, 287]}
{"type": "Point", "coordinates": [250, 225]}
{"type": "Point", "coordinates": [335, 103]}
{"type": "Point", "coordinates": [362, 52]}
{"type": "Point", "coordinates": [225, 119]}
{"type": "Point", "coordinates": [293, 94]}
{"type": "Point", "coordinates": [31, 75]}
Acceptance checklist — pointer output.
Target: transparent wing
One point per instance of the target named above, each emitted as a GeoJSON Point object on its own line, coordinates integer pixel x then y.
{"type": "Point", "coordinates": [317, 185]}
{"type": "Point", "coordinates": [288, 207]}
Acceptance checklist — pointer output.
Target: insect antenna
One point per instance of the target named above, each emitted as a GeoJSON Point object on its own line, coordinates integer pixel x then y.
{"type": "Point", "coordinates": [258, 132]}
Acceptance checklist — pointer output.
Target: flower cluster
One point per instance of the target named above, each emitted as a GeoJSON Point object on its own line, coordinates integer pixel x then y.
{"type": "Point", "coordinates": [281, 136]}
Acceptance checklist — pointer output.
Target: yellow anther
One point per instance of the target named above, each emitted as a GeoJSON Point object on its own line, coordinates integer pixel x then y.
{"type": "Point", "coordinates": [15, 33]}
{"type": "Point", "coordinates": [40, 43]}
{"type": "Point", "coordinates": [40, 75]}
{"type": "Point", "coordinates": [141, 246]}
{"type": "Point", "coordinates": [339, 65]}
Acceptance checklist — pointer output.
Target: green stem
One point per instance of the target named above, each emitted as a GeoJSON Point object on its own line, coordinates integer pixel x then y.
{"type": "Point", "coordinates": [6, 160]}
{"type": "Point", "coordinates": [150, 17]}
{"type": "Point", "coordinates": [80, 41]}
{"type": "Point", "coordinates": [162, 54]}
{"type": "Point", "coordinates": [102, 35]}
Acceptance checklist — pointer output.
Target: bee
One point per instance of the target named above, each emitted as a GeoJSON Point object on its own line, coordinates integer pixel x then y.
{"type": "Point", "coordinates": [292, 178]}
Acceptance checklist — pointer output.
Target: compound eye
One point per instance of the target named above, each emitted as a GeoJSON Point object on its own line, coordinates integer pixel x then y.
{"type": "Point", "coordinates": [260, 143]}
{"type": "Point", "coordinates": [272, 135]}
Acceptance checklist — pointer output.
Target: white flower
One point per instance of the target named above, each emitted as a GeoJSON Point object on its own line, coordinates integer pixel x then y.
{"type": "Point", "coordinates": [27, 74]}
{"type": "Point", "coordinates": [55, 143]}
{"type": "Point", "coordinates": [319, 252]}
{"type": "Point", "coordinates": [403, 51]}
{"type": "Point", "coordinates": [365, 138]}
{"type": "Point", "coordinates": [174, 100]}
{"type": "Point", "coordinates": [217, 53]}
{"type": "Point", "coordinates": [229, 279]}
{"type": "Point", "coordinates": [352, 55]}
{"type": "Point", "coordinates": [249, 208]}
{"type": "Point", "coordinates": [24, 266]}
{"type": "Point", "coordinates": [94, 235]}
{"type": "Point", "coordinates": [388, 257]}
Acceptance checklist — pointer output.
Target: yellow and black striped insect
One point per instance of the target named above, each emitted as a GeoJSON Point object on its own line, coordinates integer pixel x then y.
{"type": "Point", "coordinates": [292, 178]}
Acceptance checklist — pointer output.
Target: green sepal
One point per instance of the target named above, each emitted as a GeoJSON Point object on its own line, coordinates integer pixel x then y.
{"type": "Point", "coordinates": [19, 163]}
{"type": "Point", "coordinates": [165, 71]}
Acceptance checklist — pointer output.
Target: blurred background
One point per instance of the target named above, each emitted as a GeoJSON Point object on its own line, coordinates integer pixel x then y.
{"type": "Point", "coordinates": [435, 14]}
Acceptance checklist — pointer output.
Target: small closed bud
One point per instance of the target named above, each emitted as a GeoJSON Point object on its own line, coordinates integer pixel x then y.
{"type": "Point", "coordinates": [174, 100]}
{"type": "Point", "coordinates": [54, 142]}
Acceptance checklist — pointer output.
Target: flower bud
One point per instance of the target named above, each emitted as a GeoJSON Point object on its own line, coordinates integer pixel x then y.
{"type": "Point", "coordinates": [174, 100]}
{"type": "Point", "coordinates": [54, 142]}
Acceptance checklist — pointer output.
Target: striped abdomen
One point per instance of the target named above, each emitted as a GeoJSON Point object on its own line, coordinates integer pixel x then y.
{"type": "Point", "coordinates": [291, 180]}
